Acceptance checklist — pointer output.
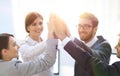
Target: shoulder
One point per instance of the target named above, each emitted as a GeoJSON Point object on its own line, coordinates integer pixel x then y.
{"type": "Point", "coordinates": [117, 63]}
{"type": "Point", "coordinates": [116, 66]}
{"type": "Point", "coordinates": [20, 42]}
{"type": "Point", "coordinates": [102, 40]}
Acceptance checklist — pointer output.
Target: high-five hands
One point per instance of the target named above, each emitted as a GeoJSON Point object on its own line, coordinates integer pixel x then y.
{"type": "Point", "coordinates": [50, 24]}
{"type": "Point", "coordinates": [58, 27]}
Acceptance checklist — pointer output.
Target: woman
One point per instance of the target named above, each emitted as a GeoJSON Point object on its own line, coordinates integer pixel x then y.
{"type": "Point", "coordinates": [34, 44]}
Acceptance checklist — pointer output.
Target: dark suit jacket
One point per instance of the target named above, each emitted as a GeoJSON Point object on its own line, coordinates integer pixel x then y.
{"type": "Point", "coordinates": [82, 55]}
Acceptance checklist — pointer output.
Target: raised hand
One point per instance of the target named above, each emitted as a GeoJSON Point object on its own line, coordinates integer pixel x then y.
{"type": "Point", "coordinates": [60, 27]}
{"type": "Point", "coordinates": [50, 25]}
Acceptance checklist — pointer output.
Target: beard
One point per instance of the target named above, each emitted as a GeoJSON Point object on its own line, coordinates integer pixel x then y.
{"type": "Point", "coordinates": [86, 37]}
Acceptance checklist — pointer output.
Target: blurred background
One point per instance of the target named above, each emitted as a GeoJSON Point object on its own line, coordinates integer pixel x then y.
{"type": "Point", "coordinates": [13, 12]}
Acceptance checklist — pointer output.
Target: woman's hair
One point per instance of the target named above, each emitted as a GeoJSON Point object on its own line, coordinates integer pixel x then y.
{"type": "Point", "coordinates": [90, 16]}
{"type": "Point", "coordinates": [4, 42]}
{"type": "Point", "coordinates": [30, 19]}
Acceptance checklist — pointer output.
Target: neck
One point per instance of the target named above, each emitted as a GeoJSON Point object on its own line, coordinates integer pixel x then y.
{"type": "Point", "coordinates": [6, 58]}
{"type": "Point", "coordinates": [36, 38]}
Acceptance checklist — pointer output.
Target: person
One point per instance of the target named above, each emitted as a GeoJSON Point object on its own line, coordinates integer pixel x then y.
{"type": "Point", "coordinates": [101, 50]}
{"type": "Point", "coordinates": [87, 28]}
{"type": "Point", "coordinates": [9, 50]}
{"type": "Point", "coordinates": [84, 55]}
{"type": "Point", "coordinates": [34, 45]}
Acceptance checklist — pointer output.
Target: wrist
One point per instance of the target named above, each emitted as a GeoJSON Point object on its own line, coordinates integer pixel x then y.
{"type": "Point", "coordinates": [63, 37]}
{"type": "Point", "coordinates": [50, 35]}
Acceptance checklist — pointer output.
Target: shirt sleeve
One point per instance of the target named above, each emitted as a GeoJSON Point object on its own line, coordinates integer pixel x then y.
{"type": "Point", "coordinates": [65, 41]}
{"type": "Point", "coordinates": [29, 52]}
{"type": "Point", "coordinates": [42, 62]}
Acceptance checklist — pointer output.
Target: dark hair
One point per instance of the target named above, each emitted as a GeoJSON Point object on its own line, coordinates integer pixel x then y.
{"type": "Point", "coordinates": [30, 18]}
{"type": "Point", "coordinates": [4, 42]}
{"type": "Point", "coordinates": [90, 16]}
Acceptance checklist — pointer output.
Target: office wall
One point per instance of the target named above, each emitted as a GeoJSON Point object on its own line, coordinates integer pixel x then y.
{"type": "Point", "coordinates": [6, 21]}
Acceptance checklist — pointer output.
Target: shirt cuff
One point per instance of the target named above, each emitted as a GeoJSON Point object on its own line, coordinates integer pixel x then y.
{"type": "Point", "coordinates": [65, 41]}
{"type": "Point", "coordinates": [72, 38]}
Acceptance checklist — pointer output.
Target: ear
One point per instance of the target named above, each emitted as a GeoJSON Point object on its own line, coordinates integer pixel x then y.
{"type": "Point", "coordinates": [94, 30]}
{"type": "Point", "coordinates": [28, 28]}
{"type": "Point", "coordinates": [4, 51]}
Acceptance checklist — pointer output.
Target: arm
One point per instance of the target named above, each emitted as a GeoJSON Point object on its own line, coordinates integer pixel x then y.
{"type": "Point", "coordinates": [103, 69]}
{"type": "Point", "coordinates": [100, 68]}
{"type": "Point", "coordinates": [43, 62]}
{"type": "Point", "coordinates": [82, 45]}
{"type": "Point", "coordinates": [101, 50]}
{"type": "Point", "coordinates": [79, 54]}
{"type": "Point", "coordinates": [29, 52]}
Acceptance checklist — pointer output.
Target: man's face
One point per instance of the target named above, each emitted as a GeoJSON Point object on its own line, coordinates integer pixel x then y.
{"type": "Point", "coordinates": [117, 47]}
{"type": "Point", "coordinates": [86, 30]}
{"type": "Point", "coordinates": [12, 51]}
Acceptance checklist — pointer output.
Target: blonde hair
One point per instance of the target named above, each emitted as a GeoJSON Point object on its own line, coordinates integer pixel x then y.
{"type": "Point", "coordinates": [90, 16]}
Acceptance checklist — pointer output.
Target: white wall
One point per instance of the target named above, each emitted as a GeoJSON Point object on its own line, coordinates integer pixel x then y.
{"type": "Point", "coordinates": [6, 18]}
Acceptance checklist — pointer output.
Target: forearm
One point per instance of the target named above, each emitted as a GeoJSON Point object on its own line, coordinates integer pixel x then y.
{"type": "Point", "coordinates": [29, 52]}
{"type": "Point", "coordinates": [82, 45]}
{"type": "Point", "coordinates": [99, 67]}
{"type": "Point", "coordinates": [42, 62]}
{"type": "Point", "coordinates": [79, 54]}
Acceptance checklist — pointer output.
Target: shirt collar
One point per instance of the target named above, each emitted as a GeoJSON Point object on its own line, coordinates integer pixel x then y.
{"type": "Point", "coordinates": [90, 43]}
{"type": "Point", "coordinates": [31, 41]}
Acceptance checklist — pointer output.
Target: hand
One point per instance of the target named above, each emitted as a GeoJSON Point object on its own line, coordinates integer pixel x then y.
{"type": "Point", "coordinates": [50, 25]}
{"type": "Point", "coordinates": [60, 27]}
